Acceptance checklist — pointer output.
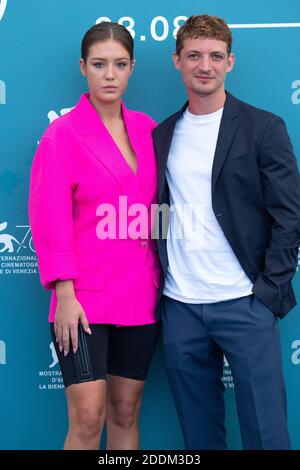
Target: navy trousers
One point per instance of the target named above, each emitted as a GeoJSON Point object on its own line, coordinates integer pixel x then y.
{"type": "Point", "coordinates": [195, 338]}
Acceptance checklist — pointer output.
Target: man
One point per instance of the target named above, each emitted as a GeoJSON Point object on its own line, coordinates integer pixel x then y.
{"type": "Point", "coordinates": [224, 291]}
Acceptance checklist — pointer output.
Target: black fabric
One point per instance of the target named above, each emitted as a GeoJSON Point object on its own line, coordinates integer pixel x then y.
{"type": "Point", "coordinates": [123, 351]}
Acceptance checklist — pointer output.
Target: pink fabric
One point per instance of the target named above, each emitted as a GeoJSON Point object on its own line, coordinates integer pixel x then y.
{"type": "Point", "coordinates": [77, 167]}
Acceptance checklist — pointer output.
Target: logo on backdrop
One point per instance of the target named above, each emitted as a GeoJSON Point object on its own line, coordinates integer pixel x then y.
{"type": "Point", "coordinates": [54, 356]}
{"type": "Point", "coordinates": [2, 92]}
{"type": "Point", "coordinates": [52, 115]}
{"type": "Point", "coordinates": [3, 4]}
{"type": "Point", "coordinates": [2, 352]}
{"type": "Point", "coordinates": [227, 375]}
{"type": "Point", "coordinates": [17, 253]}
{"type": "Point", "coordinates": [295, 97]}
{"type": "Point", "coordinates": [296, 354]}
{"type": "Point", "coordinates": [51, 379]}
{"type": "Point", "coordinates": [227, 378]}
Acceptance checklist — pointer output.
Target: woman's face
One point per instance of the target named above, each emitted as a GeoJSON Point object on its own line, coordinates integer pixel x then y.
{"type": "Point", "coordinates": [107, 69]}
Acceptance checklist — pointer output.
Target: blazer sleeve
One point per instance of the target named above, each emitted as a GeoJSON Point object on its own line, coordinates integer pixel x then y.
{"type": "Point", "coordinates": [281, 189]}
{"type": "Point", "coordinates": [50, 215]}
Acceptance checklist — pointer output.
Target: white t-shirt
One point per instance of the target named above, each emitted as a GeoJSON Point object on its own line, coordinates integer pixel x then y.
{"type": "Point", "coordinates": [202, 266]}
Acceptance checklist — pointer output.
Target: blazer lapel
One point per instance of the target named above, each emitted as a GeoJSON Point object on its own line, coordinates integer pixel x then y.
{"type": "Point", "coordinates": [136, 134]}
{"type": "Point", "coordinates": [100, 143]}
{"type": "Point", "coordinates": [162, 141]}
{"type": "Point", "coordinates": [228, 127]}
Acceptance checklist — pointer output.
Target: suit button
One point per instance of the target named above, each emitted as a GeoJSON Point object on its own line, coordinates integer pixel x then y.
{"type": "Point", "coordinates": [144, 244]}
{"type": "Point", "coordinates": [220, 214]}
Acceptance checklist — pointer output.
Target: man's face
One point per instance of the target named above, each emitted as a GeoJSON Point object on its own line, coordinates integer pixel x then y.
{"type": "Point", "coordinates": [204, 63]}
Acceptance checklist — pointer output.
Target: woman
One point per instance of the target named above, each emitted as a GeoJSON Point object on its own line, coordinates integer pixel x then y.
{"type": "Point", "coordinates": [104, 283]}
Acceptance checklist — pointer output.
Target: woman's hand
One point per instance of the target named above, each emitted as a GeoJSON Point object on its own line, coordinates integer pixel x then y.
{"type": "Point", "coordinates": [68, 314]}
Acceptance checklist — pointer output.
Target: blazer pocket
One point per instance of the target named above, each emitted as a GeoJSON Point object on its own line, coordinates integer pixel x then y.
{"type": "Point", "coordinates": [155, 273]}
{"type": "Point", "coordinates": [89, 280]}
{"type": "Point", "coordinates": [239, 156]}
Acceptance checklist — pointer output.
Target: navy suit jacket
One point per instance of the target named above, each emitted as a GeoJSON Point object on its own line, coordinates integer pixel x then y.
{"type": "Point", "coordinates": [255, 197]}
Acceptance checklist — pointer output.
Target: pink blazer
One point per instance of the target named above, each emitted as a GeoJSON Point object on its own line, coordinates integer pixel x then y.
{"type": "Point", "coordinates": [76, 168]}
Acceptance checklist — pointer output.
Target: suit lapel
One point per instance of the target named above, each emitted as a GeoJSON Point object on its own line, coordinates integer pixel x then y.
{"type": "Point", "coordinates": [228, 127]}
{"type": "Point", "coordinates": [162, 143]}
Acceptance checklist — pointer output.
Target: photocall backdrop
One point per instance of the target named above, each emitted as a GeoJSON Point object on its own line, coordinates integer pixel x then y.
{"type": "Point", "coordinates": [39, 81]}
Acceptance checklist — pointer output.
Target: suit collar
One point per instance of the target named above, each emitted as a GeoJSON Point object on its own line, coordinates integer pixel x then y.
{"type": "Point", "coordinates": [228, 128]}
{"type": "Point", "coordinates": [231, 108]}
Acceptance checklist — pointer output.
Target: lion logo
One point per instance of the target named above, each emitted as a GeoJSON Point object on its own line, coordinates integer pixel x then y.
{"type": "Point", "coordinates": [7, 240]}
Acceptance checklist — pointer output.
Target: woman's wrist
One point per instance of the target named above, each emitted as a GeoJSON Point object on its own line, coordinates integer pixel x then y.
{"type": "Point", "coordinates": [64, 290]}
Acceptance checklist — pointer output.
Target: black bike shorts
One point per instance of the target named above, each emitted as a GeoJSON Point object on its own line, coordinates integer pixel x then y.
{"type": "Point", "coordinates": [122, 351]}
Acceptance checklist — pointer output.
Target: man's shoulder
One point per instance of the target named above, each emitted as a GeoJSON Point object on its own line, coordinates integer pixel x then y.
{"type": "Point", "coordinates": [254, 113]}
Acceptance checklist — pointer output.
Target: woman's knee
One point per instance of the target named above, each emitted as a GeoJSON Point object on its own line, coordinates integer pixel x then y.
{"type": "Point", "coordinates": [123, 413]}
{"type": "Point", "coordinates": [87, 422]}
